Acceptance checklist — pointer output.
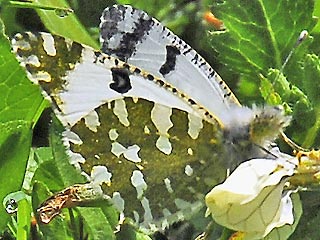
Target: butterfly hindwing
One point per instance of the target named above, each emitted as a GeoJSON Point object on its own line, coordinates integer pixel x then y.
{"type": "Point", "coordinates": [182, 165]}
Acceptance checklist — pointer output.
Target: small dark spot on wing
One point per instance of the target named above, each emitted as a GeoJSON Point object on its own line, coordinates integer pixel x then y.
{"type": "Point", "coordinates": [121, 80]}
{"type": "Point", "coordinates": [171, 58]}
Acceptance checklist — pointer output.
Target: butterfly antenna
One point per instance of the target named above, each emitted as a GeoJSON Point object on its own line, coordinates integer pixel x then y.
{"type": "Point", "coordinates": [303, 35]}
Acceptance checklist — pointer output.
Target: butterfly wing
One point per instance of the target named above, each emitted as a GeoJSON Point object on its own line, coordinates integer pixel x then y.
{"type": "Point", "coordinates": [155, 141]}
{"type": "Point", "coordinates": [79, 79]}
{"type": "Point", "coordinates": [131, 35]}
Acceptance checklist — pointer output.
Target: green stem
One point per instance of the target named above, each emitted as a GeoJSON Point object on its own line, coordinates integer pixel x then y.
{"type": "Point", "coordinates": [313, 132]}
{"type": "Point", "coordinates": [24, 219]}
{"type": "Point", "coordinates": [73, 224]}
{"type": "Point", "coordinates": [18, 4]}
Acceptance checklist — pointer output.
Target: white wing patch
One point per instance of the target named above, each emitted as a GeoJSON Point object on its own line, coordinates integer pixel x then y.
{"type": "Point", "coordinates": [188, 170]}
{"type": "Point", "coordinates": [113, 134]}
{"type": "Point", "coordinates": [117, 149]}
{"type": "Point", "coordinates": [92, 121]}
{"type": "Point", "coordinates": [195, 125]}
{"type": "Point", "coordinates": [131, 153]}
{"type": "Point", "coordinates": [139, 183]}
{"type": "Point", "coordinates": [48, 44]}
{"type": "Point", "coordinates": [33, 60]}
{"type": "Point", "coordinates": [40, 76]}
{"type": "Point", "coordinates": [19, 43]}
{"type": "Point", "coordinates": [80, 96]}
{"type": "Point", "coordinates": [167, 183]}
{"type": "Point", "coordinates": [118, 201]}
{"type": "Point", "coordinates": [100, 174]}
{"type": "Point", "coordinates": [147, 210]}
{"type": "Point", "coordinates": [72, 137]}
{"type": "Point", "coordinates": [190, 151]}
{"type": "Point", "coordinates": [164, 145]}
{"type": "Point", "coordinates": [121, 112]}
{"type": "Point", "coordinates": [160, 116]}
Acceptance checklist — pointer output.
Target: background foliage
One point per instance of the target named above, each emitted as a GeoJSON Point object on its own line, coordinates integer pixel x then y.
{"type": "Point", "coordinates": [248, 55]}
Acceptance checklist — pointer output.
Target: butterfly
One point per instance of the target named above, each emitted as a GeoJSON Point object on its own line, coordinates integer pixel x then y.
{"type": "Point", "coordinates": [149, 112]}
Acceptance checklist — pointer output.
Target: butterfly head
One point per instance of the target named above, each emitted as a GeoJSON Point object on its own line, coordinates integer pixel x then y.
{"type": "Point", "coordinates": [248, 132]}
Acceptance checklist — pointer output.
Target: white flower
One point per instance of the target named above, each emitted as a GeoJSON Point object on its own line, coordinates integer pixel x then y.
{"type": "Point", "coordinates": [252, 199]}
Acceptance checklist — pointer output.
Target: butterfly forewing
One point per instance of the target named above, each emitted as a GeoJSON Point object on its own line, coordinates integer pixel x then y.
{"type": "Point", "coordinates": [131, 35]}
{"type": "Point", "coordinates": [79, 79]}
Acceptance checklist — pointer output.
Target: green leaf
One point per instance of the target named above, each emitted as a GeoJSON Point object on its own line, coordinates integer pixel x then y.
{"type": "Point", "coordinates": [310, 218]}
{"type": "Point", "coordinates": [66, 172]}
{"type": "Point", "coordinates": [260, 34]}
{"type": "Point", "coordinates": [54, 168]}
{"type": "Point", "coordinates": [19, 202]}
{"type": "Point", "coordinates": [276, 89]}
{"type": "Point", "coordinates": [317, 14]}
{"type": "Point", "coordinates": [97, 224]}
{"type": "Point", "coordinates": [141, 236]}
{"type": "Point", "coordinates": [111, 214]}
{"type": "Point", "coordinates": [20, 102]}
{"type": "Point", "coordinates": [311, 74]}
{"type": "Point", "coordinates": [61, 25]}
{"type": "Point", "coordinates": [268, 92]}
{"type": "Point", "coordinates": [14, 150]}
{"type": "Point", "coordinates": [47, 169]}
{"type": "Point", "coordinates": [311, 71]}
{"type": "Point", "coordinates": [17, 92]}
